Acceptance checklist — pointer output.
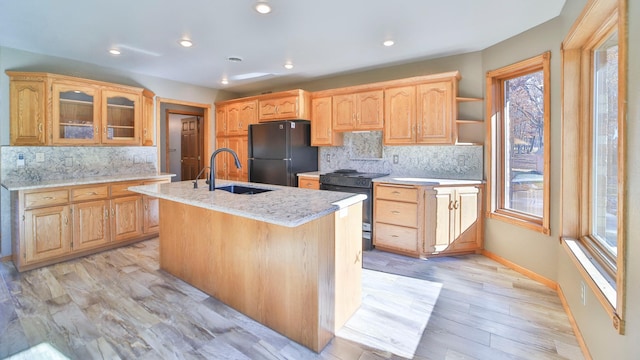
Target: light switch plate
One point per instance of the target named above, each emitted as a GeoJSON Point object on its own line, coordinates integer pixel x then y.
{"type": "Point", "coordinates": [39, 157]}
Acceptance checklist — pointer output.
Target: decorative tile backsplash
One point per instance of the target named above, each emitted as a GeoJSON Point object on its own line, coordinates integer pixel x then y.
{"type": "Point", "coordinates": [68, 162]}
{"type": "Point", "coordinates": [363, 151]}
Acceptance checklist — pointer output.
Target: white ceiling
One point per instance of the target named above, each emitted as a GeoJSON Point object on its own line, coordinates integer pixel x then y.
{"type": "Point", "coordinates": [320, 38]}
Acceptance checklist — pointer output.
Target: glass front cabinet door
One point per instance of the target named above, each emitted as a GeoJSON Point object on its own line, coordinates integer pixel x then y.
{"type": "Point", "coordinates": [121, 114]}
{"type": "Point", "coordinates": [76, 116]}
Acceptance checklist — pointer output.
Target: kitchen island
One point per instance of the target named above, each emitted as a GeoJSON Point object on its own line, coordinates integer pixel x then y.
{"type": "Point", "coordinates": [289, 258]}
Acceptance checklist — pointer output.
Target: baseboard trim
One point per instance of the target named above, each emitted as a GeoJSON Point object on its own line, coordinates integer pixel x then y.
{"type": "Point", "coordinates": [550, 284]}
{"type": "Point", "coordinates": [574, 325]}
{"type": "Point", "coordinates": [5, 258]}
{"type": "Point", "coordinates": [526, 272]}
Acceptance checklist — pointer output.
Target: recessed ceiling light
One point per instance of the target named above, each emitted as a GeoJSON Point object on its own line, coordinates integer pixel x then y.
{"type": "Point", "coordinates": [388, 43]}
{"type": "Point", "coordinates": [288, 66]}
{"type": "Point", "coordinates": [224, 81]}
{"type": "Point", "coordinates": [262, 7]}
{"type": "Point", "coordinates": [114, 52]}
{"type": "Point", "coordinates": [185, 43]}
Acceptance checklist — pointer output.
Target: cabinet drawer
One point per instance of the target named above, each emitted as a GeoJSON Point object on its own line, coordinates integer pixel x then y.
{"type": "Point", "coordinates": [409, 194]}
{"type": "Point", "coordinates": [398, 237]}
{"type": "Point", "coordinates": [308, 183]}
{"type": "Point", "coordinates": [46, 198]}
{"type": "Point", "coordinates": [120, 189]}
{"type": "Point", "coordinates": [90, 193]}
{"type": "Point", "coordinates": [397, 213]}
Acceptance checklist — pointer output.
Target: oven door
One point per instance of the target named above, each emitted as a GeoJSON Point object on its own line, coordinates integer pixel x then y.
{"type": "Point", "coordinates": [367, 210]}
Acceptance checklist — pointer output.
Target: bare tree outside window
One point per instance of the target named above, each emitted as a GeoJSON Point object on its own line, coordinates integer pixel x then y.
{"type": "Point", "coordinates": [524, 143]}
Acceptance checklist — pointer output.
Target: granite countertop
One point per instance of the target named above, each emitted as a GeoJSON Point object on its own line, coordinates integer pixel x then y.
{"type": "Point", "coordinates": [395, 179]}
{"type": "Point", "coordinates": [30, 185]}
{"type": "Point", "coordinates": [315, 174]}
{"type": "Point", "coordinates": [286, 206]}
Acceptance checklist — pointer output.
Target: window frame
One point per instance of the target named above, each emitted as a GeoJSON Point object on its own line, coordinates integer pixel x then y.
{"type": "Point", "coordinates": [495, 132]}
{"type": "Point", "coordinates": [603, 273]}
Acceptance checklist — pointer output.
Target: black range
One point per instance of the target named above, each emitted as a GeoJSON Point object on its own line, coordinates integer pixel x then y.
{"type": "Point", "coordinates": [353, 181]}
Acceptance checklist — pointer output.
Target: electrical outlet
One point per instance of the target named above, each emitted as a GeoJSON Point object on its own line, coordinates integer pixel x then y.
{"type": "Point", "coordinates": [328, 157]}
{"type": "Point", "coordinates": [583, 293]}
{"type": "Point", "coordinates": [395, 159]}
{"type": "Point", "coordinates": [39, 157]}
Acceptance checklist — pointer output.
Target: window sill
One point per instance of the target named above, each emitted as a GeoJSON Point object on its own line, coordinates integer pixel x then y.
{"type": "Point", "coordinates": [525, 223]}
{"type": "Point", "coordinates": [597, 279]}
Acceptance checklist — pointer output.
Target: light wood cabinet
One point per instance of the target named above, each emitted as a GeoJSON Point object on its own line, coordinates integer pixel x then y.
{"type": "Point", "coordinates": [126, 217]}
{"type": "Point", "coordinates": [50, 109]}
{"type": "Point", "coordinates": [28, 110]}
{"type": "Point", "coordinates": [421, 114]}
{"type": "Point", "coordinates": [91, 225]}
{"type": "Point", "coordinates": [322, 133]}
{"type": "Point", "coordinates": [225, 164]}
{"type": "Point", "coordinates": [221, 120]}
{"type": "Point", "coordinates": [58, 224]}
{"type": "Point", "coordinates": [286, 105]}
{"type": "Point", "coordinates": [239, 116]}
{"type": "Point", "coordinates": [425, 221]}
{"type": "Point", "coordinates": [309, 182]}
{"type": "Point", "coordinates": [454, 222]}
{"type": "Point", "coordinates": [148, 119]}
{"type": "Point", "coordinates": [397, 218]}
{"type": "Point", "coordinates": [360, 111]}
{"type": "Point", "coordinates": [48, 234]}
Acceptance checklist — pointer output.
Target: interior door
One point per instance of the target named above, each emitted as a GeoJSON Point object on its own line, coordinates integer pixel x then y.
{"type": "Point", "coordinates": [190, 154]}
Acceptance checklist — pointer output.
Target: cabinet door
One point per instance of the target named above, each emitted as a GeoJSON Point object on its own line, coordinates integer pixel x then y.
{"type": "Point", "coordinates": [148, 134]}
{"type": "Point", "coordinates": [344, 112]}
{"type": "Point", "coordinates": [444, 222]}
{"type": "Point", "coordinates": [240, 116]}
{"type": "Point", "coordinates": [435, 118]}
{"type": "Point", "coordinates": [321, 128]}
{"type": "Point", "coordinates": [279, 108]}
{"type": "Point", "coordinates": [370, 110]}
{"type": "Point", "coordinates": [28, 103]}
{"type": "Point", "coordinates": [121, 117]}
{"type": "Point", "coordinates": [240, 145]}
{"type": "Point", "coordinates": [75, 114]}
{"type": "Point", "coordinates": [90, 224]}
{"type": "Point", "coordinates": [151, 221]}
{"type": "Point", "coordinates": [47, 233]}
{"type": "Point", "coordinates": [467, 228]}
{"type": "Point", "coordinates": [126, 216]}
{"type": "Point", "coordinates": [221, 161]}
{"type": "Point", "coordinates": [221, 120]}
{"type": "Point", "coordinates": [400, 115]}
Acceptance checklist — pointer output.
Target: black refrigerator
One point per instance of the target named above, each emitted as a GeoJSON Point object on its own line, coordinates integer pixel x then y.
{"type": "Point", "coordinates": [279, 150]}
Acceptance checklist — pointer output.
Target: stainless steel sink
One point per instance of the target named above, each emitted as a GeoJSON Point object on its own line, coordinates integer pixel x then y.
{"type": "Point", "coordinates": [243, 190]}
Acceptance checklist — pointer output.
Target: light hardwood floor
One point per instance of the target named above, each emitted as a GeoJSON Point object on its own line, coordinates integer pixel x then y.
{"type": "Point", "coordinates": [117, 304]}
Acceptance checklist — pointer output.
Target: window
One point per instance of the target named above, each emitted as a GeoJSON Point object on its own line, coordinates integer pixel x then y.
{"type": "Point", "coordinates": [593, 151]}
{"type": "Point", "coordinates": [518, 109]}
{"type": "Point", "coordinates": [604, 152]}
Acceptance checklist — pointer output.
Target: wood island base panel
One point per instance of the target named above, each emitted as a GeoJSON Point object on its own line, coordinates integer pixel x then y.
{"type": "Point", "coordinates": [303, 282]}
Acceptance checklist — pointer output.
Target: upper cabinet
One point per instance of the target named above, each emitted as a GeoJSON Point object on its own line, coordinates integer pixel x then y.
{"type": "Point", "coordinates": [239, 115]}
{"type": "Point", "coordinates": [358, 111]}
{"type": "Point", "coordinates": [423, 113]}
{"type": "Point", "coordinates": [285, 105]}
{"type": "Point", "coordinates": [48, 109]}
{"type": "Point", "coordinates": [28, 110]}
{"type": "Point", "coordinates": [322, 133]}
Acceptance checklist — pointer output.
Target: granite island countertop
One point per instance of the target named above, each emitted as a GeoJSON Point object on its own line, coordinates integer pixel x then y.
{"type": "Point", "coordinates": [285, 206]}
{"type": "Point", "coordinates": [16, 185]}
